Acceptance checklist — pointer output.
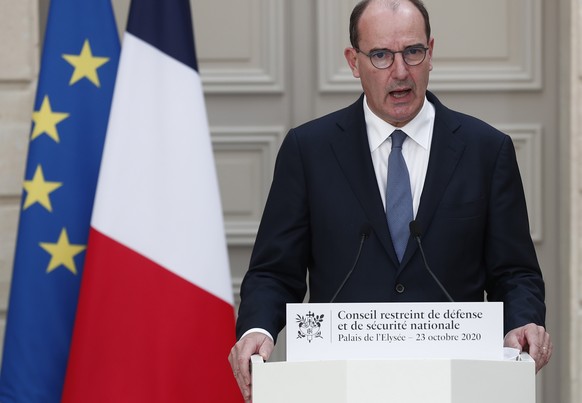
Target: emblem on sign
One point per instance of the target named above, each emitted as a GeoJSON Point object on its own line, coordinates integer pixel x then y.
{"type": "Point", "coordinates": [309, 326]}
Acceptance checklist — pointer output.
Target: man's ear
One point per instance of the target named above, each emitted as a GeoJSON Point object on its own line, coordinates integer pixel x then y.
{"type": "Point", "coordinates": [351, 57]}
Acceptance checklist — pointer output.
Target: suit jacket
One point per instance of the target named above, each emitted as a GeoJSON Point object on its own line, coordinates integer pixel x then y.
{"type": "Point", "coordinates": [475, 230]}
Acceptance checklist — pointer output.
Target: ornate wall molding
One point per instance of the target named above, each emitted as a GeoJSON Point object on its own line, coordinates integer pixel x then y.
{"type": "Point", "coordinates": [251, 62]}
{"type": "Point", "coordinates": [504, 56]}
{"type": "Point", "coordinates": [245, 158]}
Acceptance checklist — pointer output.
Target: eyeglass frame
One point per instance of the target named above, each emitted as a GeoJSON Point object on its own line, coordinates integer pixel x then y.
{"type": "Point", "coordinates": [414, 47]}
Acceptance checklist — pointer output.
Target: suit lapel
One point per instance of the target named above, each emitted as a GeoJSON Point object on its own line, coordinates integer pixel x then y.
{"type": "Point", "coordinates": [352, 151]}
{"type": "Point", "coordinates": [446, 150]}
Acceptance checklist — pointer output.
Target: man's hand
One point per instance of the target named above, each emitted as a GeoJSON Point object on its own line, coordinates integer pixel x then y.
{"type": "Point", "coordinates": [532, 339]}
{"type": "Point", "coordinates": [240, 356]}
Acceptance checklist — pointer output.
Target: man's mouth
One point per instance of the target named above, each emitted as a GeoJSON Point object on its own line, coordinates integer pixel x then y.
{"type": "Point", "coordinates": [400, 93]}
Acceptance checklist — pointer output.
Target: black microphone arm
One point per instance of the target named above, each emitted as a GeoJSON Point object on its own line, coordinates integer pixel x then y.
{"type": "Point", "coordinates": [365, 231]}
{"type": "Point", "coordinates": [415, 232]}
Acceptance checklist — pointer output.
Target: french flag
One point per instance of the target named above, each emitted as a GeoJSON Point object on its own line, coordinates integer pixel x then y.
{"type": "Point", "coordinates": [155, 319]}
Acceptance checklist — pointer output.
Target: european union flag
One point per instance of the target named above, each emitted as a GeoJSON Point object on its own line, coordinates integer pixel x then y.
{"type": "Point", "coordinates": [69, 122]}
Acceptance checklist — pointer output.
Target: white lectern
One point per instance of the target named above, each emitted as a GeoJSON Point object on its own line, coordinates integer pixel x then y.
{"type": "Point", "coordinates": [394, 380]}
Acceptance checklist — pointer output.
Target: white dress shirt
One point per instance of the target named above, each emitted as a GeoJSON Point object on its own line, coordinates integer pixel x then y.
{"type": "Point", "coordinates": [416, 148]}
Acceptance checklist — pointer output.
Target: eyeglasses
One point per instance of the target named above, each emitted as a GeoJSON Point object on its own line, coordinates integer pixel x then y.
{"type": "Point", "coordinates": [383, 58]}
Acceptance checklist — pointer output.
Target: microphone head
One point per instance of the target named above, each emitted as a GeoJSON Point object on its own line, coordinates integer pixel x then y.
{"type": "Point", "coordinates": [365, 230]}
{"type": "Point", "coordinates": [415, 229]}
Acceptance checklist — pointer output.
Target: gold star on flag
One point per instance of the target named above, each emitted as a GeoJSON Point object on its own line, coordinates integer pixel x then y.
{"type": "Point", "coordinates": [62, 253]}
{"type": "Point", "coordinates": [85, 65]}
{"type": "Point", "coordinates": [45, 120]}
{"type": "Point", "coordinates": [38, 190]}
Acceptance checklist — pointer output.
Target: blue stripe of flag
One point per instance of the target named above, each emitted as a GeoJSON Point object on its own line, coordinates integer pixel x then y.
{"type": "Point", "coordinates": [147, 21]}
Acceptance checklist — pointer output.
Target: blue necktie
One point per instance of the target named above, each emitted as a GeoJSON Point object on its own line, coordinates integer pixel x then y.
{"type": "Point", "coordinates": [398, 195]}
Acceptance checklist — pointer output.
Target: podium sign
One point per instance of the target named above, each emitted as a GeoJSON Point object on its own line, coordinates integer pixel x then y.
{"type": "Point", "coordinates": [344, 331]}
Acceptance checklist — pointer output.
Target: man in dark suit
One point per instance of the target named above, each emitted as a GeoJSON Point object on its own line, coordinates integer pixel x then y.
{"type": "Point", "coordinates": [330, 190]}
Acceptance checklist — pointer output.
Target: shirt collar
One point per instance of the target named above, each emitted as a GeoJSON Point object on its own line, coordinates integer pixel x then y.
{"type": "Point", "coordinates": [418, 129]}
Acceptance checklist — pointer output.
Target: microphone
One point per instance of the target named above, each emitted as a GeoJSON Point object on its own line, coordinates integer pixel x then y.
{"type": "Point", "coordinates": [415, 232]}
{"type": "Point", "coordinates": [365, 232]}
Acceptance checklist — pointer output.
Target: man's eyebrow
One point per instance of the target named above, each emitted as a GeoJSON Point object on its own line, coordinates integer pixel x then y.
{"type": "Point", "coordinates": [416, 45]}
{"type": "Point", "coordinates": [379, 49]}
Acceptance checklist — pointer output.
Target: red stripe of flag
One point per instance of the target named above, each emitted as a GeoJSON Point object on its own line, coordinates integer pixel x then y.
{"type": "Point", "coordinates": [148, 315]}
